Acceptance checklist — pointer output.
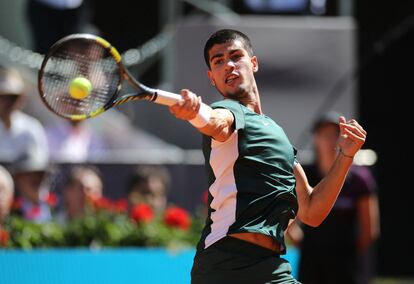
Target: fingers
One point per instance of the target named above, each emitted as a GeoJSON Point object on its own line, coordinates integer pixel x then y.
{"type": "Point", "coordinates": [354, 122]}
{"type": "Point", "coordinates": [359, 131]}
{"type": "Point", "coordinates": [191, 102]}
{"type": "Point", "coordinates": [342, 121]}
{"type": "Point", "coordinates": [354, 137]}
{"type": "Point", "coordinates": [355, 126]}
{"type": "Point", "coordinates": [188, 107]}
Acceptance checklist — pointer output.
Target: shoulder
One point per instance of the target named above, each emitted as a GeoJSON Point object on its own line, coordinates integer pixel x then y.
{"type": "Point", "coordinates": [236, 109]}
{"type": "Point", "coordinates": [24, 123]}
{"type": "Point", "coordinates": [24, 120]}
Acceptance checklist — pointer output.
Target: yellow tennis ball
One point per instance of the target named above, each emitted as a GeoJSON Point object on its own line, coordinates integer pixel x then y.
{"type": "Point", "coordinates": [80, 88]}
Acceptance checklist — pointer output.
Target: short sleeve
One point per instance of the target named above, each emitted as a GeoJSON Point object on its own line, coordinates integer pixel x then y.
{"type": "Point", "coordinates": [364, 182]}
{"type": "Point", "coordinates": [235, 108]}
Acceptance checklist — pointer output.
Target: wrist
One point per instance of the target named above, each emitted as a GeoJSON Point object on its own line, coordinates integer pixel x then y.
{"type": "Point", "coordinates": [203, 116]}
{"type": "Point", "coordinates": [341, 152]}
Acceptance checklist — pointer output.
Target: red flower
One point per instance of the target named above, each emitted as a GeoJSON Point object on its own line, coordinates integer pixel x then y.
{"type": "Point", "coordinates": [121, 205]}
{"type": "Point", "coordinates": [177, 218]}
{"type": "Point", "coordinates": [33, 213]}
{"type": "Point", "coordinates": [142, 213]}
{"type": "Point", "coordinates": [51, 199]}
{"type": "Point", "coordinates": [102, 203]}
{"type": "Point", "coordinates": [4, 237]}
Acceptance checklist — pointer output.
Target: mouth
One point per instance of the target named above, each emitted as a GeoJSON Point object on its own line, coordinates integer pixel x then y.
{"type": "Point", "coordinates": [231, 78]}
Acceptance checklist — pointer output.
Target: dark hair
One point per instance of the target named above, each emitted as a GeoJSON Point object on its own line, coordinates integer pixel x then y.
{"type": "Point", "coordinates": [224, 36]}
{"type": "Point", "coordinates": [143, 173]}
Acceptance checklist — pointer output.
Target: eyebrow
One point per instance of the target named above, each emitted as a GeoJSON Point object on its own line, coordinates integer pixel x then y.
{"type": "Point", "coordinates": [217, 55]}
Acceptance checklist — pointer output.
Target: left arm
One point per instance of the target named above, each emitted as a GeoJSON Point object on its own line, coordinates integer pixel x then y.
{"type": "Point", "coordinates": [316, 203]}
{"type": "Point", "coordinates": [368, 216]}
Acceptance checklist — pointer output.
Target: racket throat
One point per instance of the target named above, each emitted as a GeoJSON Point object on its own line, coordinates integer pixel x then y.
{"type": "Point", "coordinates": [141, 96]}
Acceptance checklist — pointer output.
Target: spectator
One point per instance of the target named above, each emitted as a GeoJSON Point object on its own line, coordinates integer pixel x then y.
{"type": "Point", "coordinates": [335, 251]}
{"type": "Point", "coordinates": [84, 184]}
{"type": "Point", "coordinates": [6, 194]}
{"type": "Point", "coordinates": [74, 141]}
{"type": "Point", "coordinates": [34, 200]}
{"type": "Point", "coordinates": [149, 184]}
{"type": "Point", "coordinates": [21, 135]}
{"type": "Point", "coordinates": [6, 198]}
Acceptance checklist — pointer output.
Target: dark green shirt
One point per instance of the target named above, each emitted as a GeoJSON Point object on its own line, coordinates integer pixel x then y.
{"type": "Point", "coordinates": [252, 184]}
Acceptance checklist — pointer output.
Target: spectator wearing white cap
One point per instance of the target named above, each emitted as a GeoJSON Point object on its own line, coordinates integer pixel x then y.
{"type": "Point", "coordinates": [20, 134]}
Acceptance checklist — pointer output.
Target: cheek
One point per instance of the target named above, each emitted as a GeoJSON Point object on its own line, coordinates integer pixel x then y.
{"type": "Point", "coordinates": [217, 74]}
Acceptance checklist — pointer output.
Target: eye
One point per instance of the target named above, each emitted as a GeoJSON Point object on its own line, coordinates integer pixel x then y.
{"type": "Point", "coordinates": [236, 57]}
{"type": "Point", "coordinates": [218, 61]}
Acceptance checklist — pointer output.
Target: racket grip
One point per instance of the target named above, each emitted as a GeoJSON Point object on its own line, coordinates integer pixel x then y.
{"type": "Point", "coordinates": [167, 98]}
{"type": "Point", "coordinates": [170, 99]}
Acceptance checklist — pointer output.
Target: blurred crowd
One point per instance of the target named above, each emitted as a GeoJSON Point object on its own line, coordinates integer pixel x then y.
{"type": "Point", "coordinates": [27, 154]}
{"type": "Point", "coordinates": [30, 149]}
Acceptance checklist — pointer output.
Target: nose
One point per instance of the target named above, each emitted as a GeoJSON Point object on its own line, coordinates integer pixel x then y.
{"type": "Point", "coordinates": [230, 65]}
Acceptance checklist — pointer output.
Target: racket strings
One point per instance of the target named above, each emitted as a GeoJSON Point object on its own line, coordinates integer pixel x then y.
{"type": "Point", "coordinates": [79, 58]}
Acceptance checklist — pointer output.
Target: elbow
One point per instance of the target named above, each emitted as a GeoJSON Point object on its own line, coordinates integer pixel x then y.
{"type": "Point", "coordinates": [221, 133]}
{"type": "Point", "coordinates": [313, 221]}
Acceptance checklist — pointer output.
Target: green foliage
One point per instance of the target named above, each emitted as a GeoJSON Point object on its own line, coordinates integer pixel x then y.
{"type": "Point", "coordinates": [100, 229]}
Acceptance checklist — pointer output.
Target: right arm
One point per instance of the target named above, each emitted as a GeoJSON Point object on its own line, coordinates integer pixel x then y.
{"type": "Point", "coordinates": [220, 125]}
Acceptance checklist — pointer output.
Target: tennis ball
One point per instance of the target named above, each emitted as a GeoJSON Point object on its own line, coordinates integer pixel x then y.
{"type": "Point", "coordinates": [80, 88]}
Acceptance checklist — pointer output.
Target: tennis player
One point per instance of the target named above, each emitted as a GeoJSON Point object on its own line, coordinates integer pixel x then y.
{"type": "Point", "coordinates": [256, 184]}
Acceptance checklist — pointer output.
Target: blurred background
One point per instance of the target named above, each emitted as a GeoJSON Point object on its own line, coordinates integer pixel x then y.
{"type": "Point", "coordinates": [354, 57]}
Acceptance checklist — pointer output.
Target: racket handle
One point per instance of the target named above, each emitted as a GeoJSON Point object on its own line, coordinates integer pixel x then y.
{"type": "Point", "coordinates": [167, 98]}
{"type": "Point", "coordinates": [170, 99]}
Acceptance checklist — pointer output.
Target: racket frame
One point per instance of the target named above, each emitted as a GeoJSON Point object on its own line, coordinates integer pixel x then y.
{"type": "Point", "coordinates": [142, 92]}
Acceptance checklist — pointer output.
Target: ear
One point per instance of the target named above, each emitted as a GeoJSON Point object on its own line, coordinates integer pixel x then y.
{"type": "Point", "coordinates": [210, 76]}
{"type": "Point", "coordinates": [255, 63]}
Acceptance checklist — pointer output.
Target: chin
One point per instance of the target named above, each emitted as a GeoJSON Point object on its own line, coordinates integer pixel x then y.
{"type": "Point", "coordinates": [237, 94]}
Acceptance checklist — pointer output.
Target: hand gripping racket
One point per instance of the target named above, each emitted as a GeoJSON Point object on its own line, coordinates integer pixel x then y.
{"type": "Point", "coordinates": [93, 58]}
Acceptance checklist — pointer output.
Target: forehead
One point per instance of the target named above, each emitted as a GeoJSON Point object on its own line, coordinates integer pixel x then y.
{"type": "Point", "coordinates": [226, 47]}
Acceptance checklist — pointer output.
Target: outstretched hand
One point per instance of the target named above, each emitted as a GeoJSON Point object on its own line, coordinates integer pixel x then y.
{"type": "Point", "coordinates": [186, 109]}
{"type": "Point", "coordinates": [352, 136]}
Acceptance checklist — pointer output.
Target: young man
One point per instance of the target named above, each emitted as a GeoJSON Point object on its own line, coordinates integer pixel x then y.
{"type": "Point", "coordinates": [256, 184]}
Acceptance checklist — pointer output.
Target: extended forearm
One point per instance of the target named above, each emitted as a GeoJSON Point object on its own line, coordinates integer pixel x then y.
{"type": "Point", "coordinates": [325, 193]}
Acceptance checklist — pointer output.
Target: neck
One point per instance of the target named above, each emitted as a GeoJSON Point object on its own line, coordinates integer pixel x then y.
{"type": "Point", "coordinates": [251, 99]}
{"type": "Point", "coordinates": [255, 105]}
{"type": "Point", "coordinates": [6, 119]}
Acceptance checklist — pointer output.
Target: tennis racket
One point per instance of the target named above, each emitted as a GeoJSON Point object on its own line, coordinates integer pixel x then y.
{"type": "Point", "coordinates": [91, 57]}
